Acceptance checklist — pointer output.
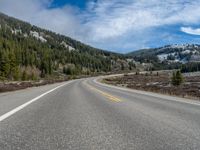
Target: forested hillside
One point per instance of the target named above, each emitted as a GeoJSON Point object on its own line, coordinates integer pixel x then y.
{"type": "Point", "coordinates": [184, 56]}
{"type": "Point", "coordinates": [29, 53]}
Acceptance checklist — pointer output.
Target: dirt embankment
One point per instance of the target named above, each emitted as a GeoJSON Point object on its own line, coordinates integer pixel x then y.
{"type": "Point", "coordinates": [12, 86]}
{"type": "Point", "coordinates": [159, 83]}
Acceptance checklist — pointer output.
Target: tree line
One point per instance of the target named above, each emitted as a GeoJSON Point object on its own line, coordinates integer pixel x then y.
{"type": "Point", "coordinates": [23, 57]}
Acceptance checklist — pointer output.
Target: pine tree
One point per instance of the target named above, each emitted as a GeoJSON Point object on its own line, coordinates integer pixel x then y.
{"type": "Point", "coordinates": [24, 76]}
{"type": "Point", "coordinates": [177, 78]}
{"type": "Point", "coordinates": [122, 66]}
{"type": "Point", "coordinates": [16, 74]}
{"type": "Point", "coordinates": [13, 66]}
{"type": "Point", "coordinates": [5, 65]}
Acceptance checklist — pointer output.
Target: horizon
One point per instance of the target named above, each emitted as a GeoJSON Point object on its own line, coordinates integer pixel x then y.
{"type": "Point", "coordinates": [115, 26]}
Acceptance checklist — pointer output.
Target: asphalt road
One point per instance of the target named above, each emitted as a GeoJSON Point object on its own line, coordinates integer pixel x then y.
{"type": "Point", "coordinates": [86, 115]}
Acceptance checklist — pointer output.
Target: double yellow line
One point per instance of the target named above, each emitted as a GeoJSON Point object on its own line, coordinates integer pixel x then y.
{"type": "Point", "coordinates": [109, 96]}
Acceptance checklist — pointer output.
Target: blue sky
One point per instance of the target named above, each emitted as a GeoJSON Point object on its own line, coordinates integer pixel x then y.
{"type": "Point", "coordinates": [60, 3]}
{"type": "Point", "coordinates": [116, 25]}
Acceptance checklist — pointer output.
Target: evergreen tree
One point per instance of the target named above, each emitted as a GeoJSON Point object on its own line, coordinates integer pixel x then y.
{"type": "Point", "coordinates": [177, 78]}
{"type": "Point", "coordinates": [24, 76]}
{"type": "Point", "coordinates": [16, 73]}
{"type": "Point", "coordinates": [5, 65]}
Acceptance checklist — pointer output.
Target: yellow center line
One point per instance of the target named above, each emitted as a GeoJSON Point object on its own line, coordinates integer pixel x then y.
{"type": "Point", "coordinates": [109, 96]}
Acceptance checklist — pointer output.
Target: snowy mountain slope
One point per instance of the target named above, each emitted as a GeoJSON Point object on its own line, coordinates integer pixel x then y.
{"type": "Point", "coordinates": [172, 53]}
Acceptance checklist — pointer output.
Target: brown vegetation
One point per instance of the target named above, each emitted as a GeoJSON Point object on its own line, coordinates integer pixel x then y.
{"type": "Point", "coordinates": [12, 86]}
{"type": "Point", "coordinates": [160, 83]}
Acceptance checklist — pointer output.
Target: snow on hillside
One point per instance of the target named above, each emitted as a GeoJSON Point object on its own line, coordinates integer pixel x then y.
{"type": "Point", "coordinates": [16, 31]}
{"type": "Point", "coordinates": [67, 46]}
{"type": "Point", "coordinates": [162, 57]}
{"type": "Point", "coordinates": [37, 36]}
{"type": "Point", "coordinates": [179, 53]}
{"type": "Point", "coordinates": [181, 46]}
{"type": "Point", "coordinates": [186, 51]}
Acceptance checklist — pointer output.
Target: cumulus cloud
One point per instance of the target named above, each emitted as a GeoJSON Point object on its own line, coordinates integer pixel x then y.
{"type": "Point", "coordinates": [190, 30]}
{"type": "Point", "coordinates": [129, 23]}
{"type": "Point", "coordinates": [62, 20]}
{"type": "Point", "coordinates": [115, 18]}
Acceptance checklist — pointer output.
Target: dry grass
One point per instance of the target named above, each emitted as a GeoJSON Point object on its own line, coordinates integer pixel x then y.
{"type": "Point", "coordinates": [159, 83]}
{"type": "Point", "coordinates": [12, 86]}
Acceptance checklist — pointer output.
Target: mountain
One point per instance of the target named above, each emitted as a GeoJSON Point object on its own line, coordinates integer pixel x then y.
{"type": "Point", "coordinates": [28, 52]}
{"type": "Point", "coordinates": [169, 56]}
{"type": "Point", "coordinates": [172, 53]}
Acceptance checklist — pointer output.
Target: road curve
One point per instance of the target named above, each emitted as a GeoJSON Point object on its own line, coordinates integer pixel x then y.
{"type": "Point", "coordinates": [87, 115]}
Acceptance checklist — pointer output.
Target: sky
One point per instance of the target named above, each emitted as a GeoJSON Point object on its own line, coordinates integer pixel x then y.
{"type": "Point", "coordinates": [116, 25]}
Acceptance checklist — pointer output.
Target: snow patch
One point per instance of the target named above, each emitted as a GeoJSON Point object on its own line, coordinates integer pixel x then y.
{"type": "Point", "coordinates": [162, 57]}
{"type": "Point", "coordinates": [16, 31]}
{"type": "Point", "coordinates": [67, 46]}
{"type": "Point", "coordinates": [37, 36]}
{"type": "Point", "coordinates": [186, 52]}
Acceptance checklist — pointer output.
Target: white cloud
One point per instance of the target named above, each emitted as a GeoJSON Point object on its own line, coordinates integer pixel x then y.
{"type": "Point", "coordinates": [115, 18]}
{"type": "Point", "coordinates": [62, 20]}
{"type": "Point", "coordinates": [104, 23]}
{"type": "Point", "coordinates": [190, 30]}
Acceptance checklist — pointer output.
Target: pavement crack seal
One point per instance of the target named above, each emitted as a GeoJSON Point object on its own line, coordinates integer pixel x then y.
{"type": "Point", "coordinates": [109, 96]}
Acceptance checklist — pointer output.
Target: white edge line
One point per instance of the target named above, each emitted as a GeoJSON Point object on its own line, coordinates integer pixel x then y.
{"type": "Point", "coordinates": [15, 110]}
{"type": "Point", "coordinates": [156, 95]}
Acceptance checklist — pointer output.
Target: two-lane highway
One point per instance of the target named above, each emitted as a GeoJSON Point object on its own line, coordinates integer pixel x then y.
{"type": "Point", "coordinates": [87, 115]}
